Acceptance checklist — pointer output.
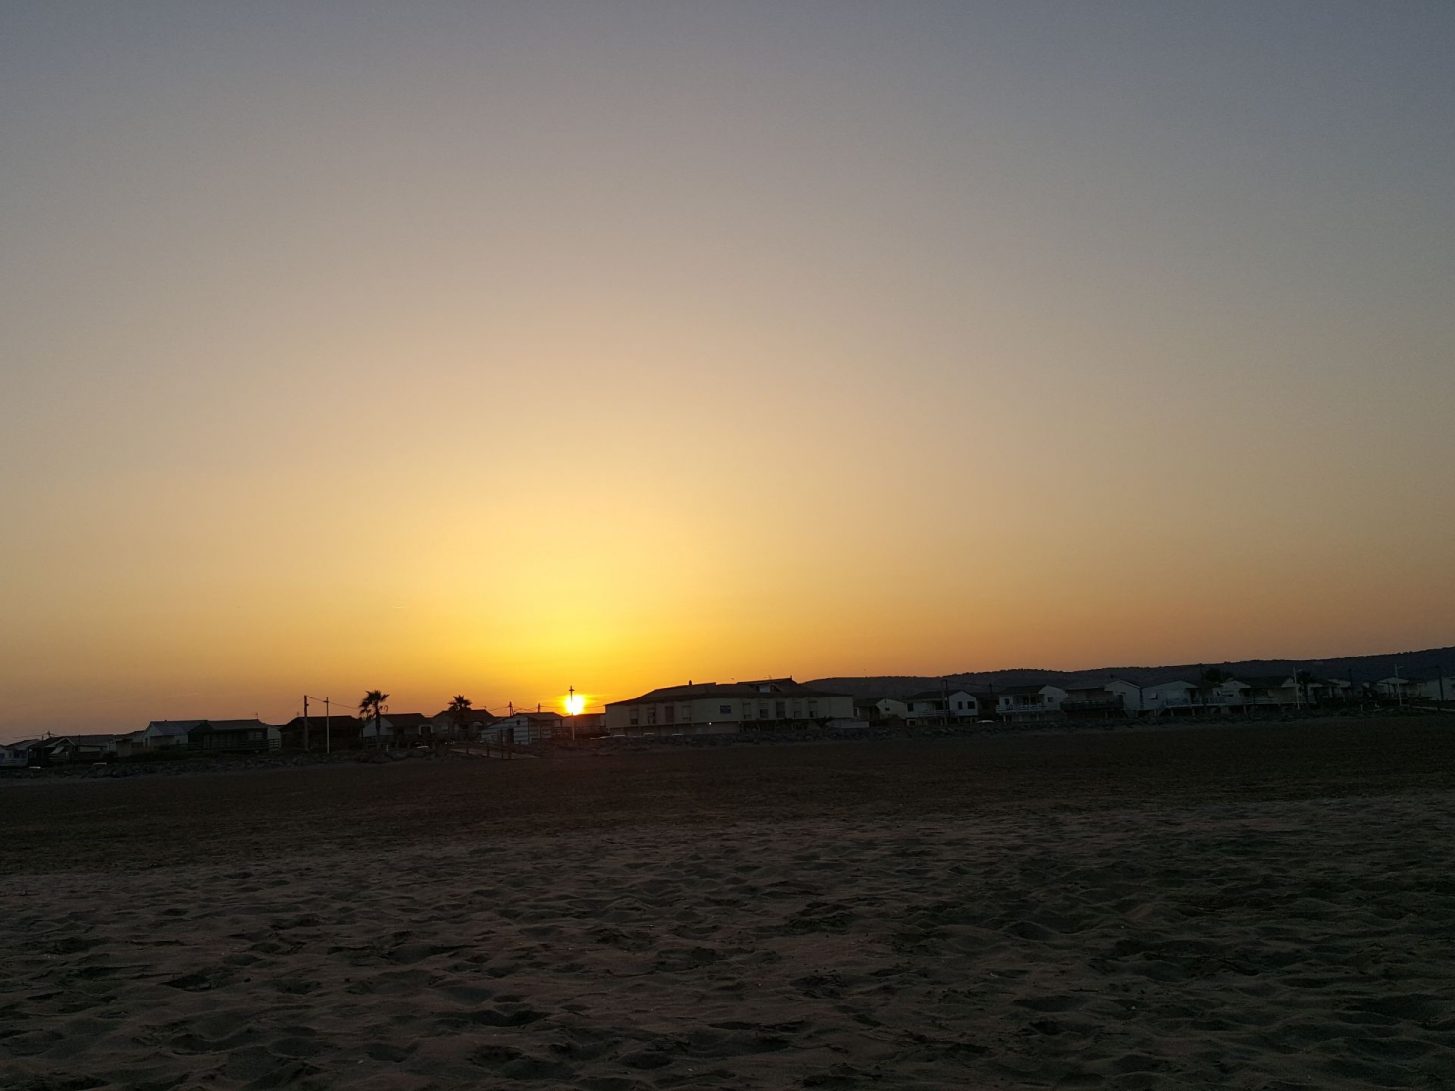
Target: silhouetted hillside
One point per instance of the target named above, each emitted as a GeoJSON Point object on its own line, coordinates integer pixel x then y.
{"type": "Point", "coordinates": [1356, 668]}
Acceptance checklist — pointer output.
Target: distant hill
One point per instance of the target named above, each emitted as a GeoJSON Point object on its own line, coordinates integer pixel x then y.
{"type": "Point", "coordinates": [1356, 668]}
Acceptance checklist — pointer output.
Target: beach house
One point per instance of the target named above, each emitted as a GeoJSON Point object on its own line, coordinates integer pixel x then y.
{"type": "Point", "coordinates": [879, 710]}
{"type": "Point", "coordinates": [397, 729]}
{"type": "Point", "coordinates": [1396, 688]}
{"type": "Point", "coordinates": [524, 728]}
{"type": "Point", "coordinates": [332, 732]}
{"type": "Point", "coordinates": [1275, 690]}
{"type": "Point", "coordinates": [470, 723]}
{"type": "Point", "coordinates": [1437, 689]}
{"type": "Point", "coordinates": [1097, 702]}
{"type": "Point", "coordinates": [17, 754]}
{"type": "Point", "coordinates": [68, 749]}
{"type": "Point", "coordinates": [1176, 696]}
{"type": "Point", "coordinates": [164, 734]}
{"type": "Point", "coordinates": [234, 737]}
{"type": "Point", "coordinates": [1029, 702]}
{"type": "Point", "coordinates": [938, 706]}
{"type": "Point", "coordinates": [701, 708]}
{"type": "Point", "coordinates": [202, 735]}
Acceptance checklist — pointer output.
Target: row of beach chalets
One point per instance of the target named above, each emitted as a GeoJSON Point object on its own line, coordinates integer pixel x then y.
{"type": "Point", "coordinates": [768, 704]}
{"type": "Point", "coordinates": [1213, 693]}
{"type": "Point", "coordinates": [708, 708]}
{"type": "Point", "coordinates": [319, 733]}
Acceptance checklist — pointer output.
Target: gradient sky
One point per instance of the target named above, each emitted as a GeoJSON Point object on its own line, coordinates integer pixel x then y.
{"type": "Point", "coordinates": [498, 348]}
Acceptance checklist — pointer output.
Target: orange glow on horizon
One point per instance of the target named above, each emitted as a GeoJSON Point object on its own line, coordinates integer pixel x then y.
{"type": "Point", "coordinates": [890, 379]}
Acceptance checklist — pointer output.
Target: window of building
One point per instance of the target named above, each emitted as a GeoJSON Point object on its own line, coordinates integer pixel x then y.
{"type": "Point", "coordinates": [725, 710]}
{"type": "Point", "coordinates": [782, 709]}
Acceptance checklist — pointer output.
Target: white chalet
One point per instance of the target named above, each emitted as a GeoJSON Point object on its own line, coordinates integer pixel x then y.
{"type": "Point", "coordinates": [935, 706]}
{"type": "Point", "coordinates": [1029, 702]}
{"type": "Point", "coordinates": [880, 709]}
{"type": "Point", "coordinates": [1438, 689]}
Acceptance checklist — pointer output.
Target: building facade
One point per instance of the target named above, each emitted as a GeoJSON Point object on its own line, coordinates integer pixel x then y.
{"type": "Point", "coordinates": [524, 728]}
{"type": "Point", "coordinates": [713, 708]}
{"type": "Point", "coordinates": [939, 706]}
{"type": "Point", "coordinates": [1029, 702]}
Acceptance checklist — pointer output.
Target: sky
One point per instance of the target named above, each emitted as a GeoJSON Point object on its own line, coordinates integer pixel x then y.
{"type": "Point", "coordinates": [495, 349]}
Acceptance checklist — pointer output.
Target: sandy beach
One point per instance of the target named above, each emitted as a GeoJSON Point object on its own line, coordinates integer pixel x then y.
{"type": "Point", "coordinates": [1264, 906]}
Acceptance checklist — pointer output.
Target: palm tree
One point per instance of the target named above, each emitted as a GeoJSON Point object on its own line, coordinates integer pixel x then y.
{"type": "Point", "coordinates": [459, 710]}
{"type": "Point", "coordinates": [373, 705]}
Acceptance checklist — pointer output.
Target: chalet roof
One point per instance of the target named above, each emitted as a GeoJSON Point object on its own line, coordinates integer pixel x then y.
{"type": "Point", "coordinates": [316, 719]}
{"type": "Point", "coordinates": [537, 717]}
{"type": "Point", "coordinates": [92, 740]}
{"type": "Point", "coordinates": [229, 725]}
{"type": "Point", "coordinates": [469, 715]}
{"type": "Point", "coordinates": [1024, 691]}
{"type": "Point", "coordinates": [1263, 681]}
{"type": "Point", "coordinates": [168, 728]}
{"type": "Point", "coordinates": [406, 719]}
{"type": "Point", "coordinates": [782, 687]}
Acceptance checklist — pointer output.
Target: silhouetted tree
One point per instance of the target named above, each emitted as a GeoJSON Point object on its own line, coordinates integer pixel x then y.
{"type": "Point", "coordinates": [1214, 676]}
{"type": "Point", "coordinates": [460, 713]}
{"type": "Point", "coordinates": [373, 706]}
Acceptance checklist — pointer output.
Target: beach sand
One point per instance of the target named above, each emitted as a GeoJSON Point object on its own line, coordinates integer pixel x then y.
{"type": "Point", "coordinates": [1266, 906]}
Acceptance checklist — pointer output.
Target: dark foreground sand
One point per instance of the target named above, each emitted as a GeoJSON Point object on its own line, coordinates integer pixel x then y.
{"type": "Point", "coordinates": [1258, 907]}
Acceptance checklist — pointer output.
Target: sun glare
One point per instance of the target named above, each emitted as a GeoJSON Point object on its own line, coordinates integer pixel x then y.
{"type": "Point", "coordinates": [575, 704]}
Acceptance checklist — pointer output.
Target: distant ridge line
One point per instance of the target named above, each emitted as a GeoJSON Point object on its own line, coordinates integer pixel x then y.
{"type": "Point", "coordinates": [1417, 665]}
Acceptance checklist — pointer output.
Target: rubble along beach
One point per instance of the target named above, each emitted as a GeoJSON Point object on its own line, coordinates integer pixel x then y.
{"type": "Point", "coordinates": [1250, 906]}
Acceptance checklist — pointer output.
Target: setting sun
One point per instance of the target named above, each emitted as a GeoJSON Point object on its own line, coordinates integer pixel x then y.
{"type": "Point", "coordinates": [849, 340]}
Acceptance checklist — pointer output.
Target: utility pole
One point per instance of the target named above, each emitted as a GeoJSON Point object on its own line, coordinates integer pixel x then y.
{"type": "Point", "coordinates": [571, 708]}
{"type": "Point", "coordinates": [327, 723]}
